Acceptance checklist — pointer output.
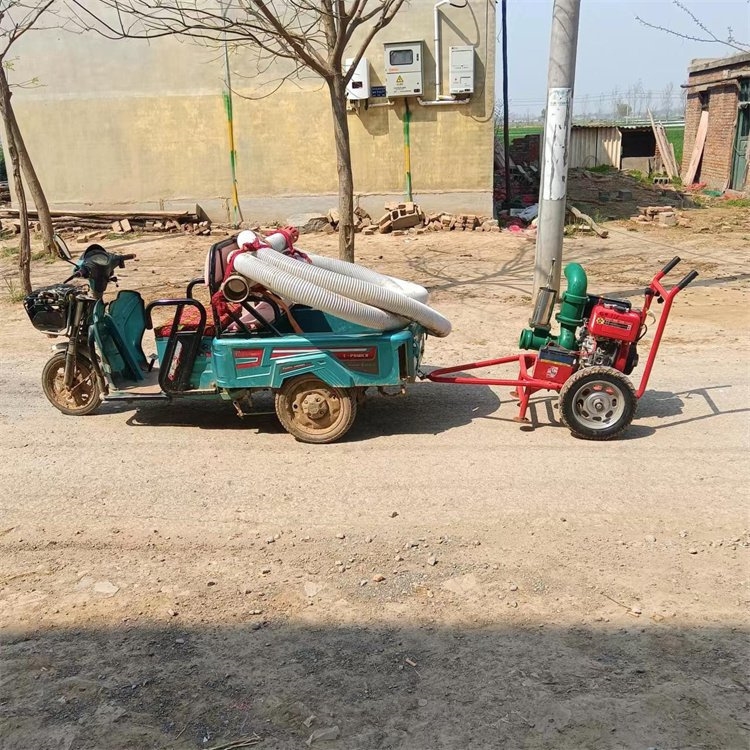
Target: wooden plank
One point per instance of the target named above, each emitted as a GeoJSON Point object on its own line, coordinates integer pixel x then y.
{"type": "Point", "coordinates": [661, 144]}
{"type": "Point", "coordinates": [110, 215]}
{"type": "Point", "coordinates": [668, 153]}
{"type": "Point", "coordinates": [588, 220]}
{"type": "Point", "coordinates": [700, 142]}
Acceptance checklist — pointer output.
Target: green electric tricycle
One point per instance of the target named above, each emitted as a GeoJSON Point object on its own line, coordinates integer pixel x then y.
{"type": "Point", "coordinates": [317, 365]}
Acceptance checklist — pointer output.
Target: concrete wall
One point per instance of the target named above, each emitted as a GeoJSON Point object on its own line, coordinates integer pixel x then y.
{"type": "Point", "coordinates": [134, 124]}
{"type": "Point", "coordinates": [718, 79]}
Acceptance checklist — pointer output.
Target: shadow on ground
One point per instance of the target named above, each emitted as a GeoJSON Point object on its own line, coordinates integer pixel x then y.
{"type": "Point", "coordinates": [425, 687]}
{"type": "Point", "coordinates": [427, 408]}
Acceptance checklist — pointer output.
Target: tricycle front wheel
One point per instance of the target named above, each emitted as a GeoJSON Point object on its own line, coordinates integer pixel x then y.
{"type": "Point", "coordinates": [84, 395]}
{"type": "Point", "coordinates": [314, 412]}
{"type": "Point", "coordinates": [597, 403]}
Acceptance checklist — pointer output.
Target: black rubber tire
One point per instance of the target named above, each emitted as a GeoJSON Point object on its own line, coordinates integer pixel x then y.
{"type": "Point", "coordinates": [85, 396]}
{"type": "Point", "coordinates": [579, 393]}
{"type": "Point", "coordinates": [339, 409]}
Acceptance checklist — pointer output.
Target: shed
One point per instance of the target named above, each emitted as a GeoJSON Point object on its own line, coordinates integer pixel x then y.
{"type": "Point", "coordinates": [618, 146]}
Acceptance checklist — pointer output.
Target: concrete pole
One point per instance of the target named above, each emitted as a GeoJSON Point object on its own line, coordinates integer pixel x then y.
{"type": "Point", "coordinates": [554, 166]}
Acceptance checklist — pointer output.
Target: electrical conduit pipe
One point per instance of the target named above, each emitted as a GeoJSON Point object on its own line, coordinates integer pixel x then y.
{"type": "Point", "coordinates": [438, 51]}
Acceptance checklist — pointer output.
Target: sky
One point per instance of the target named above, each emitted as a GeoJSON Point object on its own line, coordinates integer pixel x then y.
{"type": "Point", "coordinates": [614, 49]}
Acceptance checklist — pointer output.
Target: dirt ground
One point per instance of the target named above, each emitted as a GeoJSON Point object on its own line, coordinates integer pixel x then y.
{"type": "Point", "coordinates": [174, 577]}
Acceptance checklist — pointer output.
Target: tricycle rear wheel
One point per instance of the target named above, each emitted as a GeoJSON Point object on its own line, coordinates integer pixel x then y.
{"type": "Point", "coordinates": [84, 395]}
{"type": "Point", "coordinates": [597, 403]}
{"type": "Point", "coordinates": [314, 412]}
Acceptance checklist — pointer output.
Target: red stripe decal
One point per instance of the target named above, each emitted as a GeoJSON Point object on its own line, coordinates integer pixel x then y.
{"type": "Point", "coordinates": [344, 354]}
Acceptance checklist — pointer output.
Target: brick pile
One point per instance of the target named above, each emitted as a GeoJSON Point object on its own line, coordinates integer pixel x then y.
{"type": "Point", "coordinates": [665, 216]}
{"type": "Point", "coordinates": [408, 216]}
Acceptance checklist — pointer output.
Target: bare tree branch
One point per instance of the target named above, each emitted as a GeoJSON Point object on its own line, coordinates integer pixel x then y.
{"type": "Point", "coordinates": [710, 37]}
{"type": "Point", "coordinates": [312, 35]}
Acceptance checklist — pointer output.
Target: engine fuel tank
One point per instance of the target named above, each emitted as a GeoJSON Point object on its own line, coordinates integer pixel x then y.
{"type": "Point", "coordinates": [607, 322]}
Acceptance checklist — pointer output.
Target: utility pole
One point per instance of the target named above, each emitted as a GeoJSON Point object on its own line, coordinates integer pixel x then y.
{"type": "Point", "coordinates": [554, 167]}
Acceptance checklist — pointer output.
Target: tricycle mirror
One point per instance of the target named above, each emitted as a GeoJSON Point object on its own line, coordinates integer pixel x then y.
{"type": "Point", "coordinates": [62, 248]}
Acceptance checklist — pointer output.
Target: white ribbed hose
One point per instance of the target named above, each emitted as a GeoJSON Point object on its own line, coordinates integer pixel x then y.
{"type": "Point", "coordinates": [384, 298]}
{"type": "Point", "coordinates": [347, 290]}
{"type": "Point", "coordinates": [304, 292]}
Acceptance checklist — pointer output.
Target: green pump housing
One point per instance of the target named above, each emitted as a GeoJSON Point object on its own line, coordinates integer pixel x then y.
{"type": "Point", "coordinates": [572, 306]}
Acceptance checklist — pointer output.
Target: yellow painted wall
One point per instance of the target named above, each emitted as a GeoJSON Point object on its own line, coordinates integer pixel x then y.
{"type": "Point", "coordinates": [129, 123]}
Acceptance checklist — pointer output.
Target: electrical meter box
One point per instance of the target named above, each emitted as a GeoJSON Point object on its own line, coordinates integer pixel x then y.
{"type": "Point", "coordinates": [462, 69]}
{"type": "Point", "coordinates": [358, 87]}
{"type": "Point", "coordinates": [403, 69]}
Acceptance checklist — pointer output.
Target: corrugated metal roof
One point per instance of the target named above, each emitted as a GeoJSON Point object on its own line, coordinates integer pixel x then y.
{"type": "Point", "coordinates": [635, 126]}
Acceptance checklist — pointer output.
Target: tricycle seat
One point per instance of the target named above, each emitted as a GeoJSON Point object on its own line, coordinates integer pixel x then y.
{"type": "Point", "coordinates": [189, 321]}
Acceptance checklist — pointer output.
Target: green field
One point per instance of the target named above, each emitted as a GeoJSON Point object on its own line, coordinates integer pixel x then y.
{"type": "Point", "coordinates": [519, 131]}
{"type": "Point", "coordinates": [676, 136]}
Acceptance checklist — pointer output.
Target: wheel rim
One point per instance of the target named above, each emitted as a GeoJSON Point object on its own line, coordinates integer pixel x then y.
{"type": "Point", "coordinates": [81, 391]}
{"type": "Point", "coordinates": [314, 410]}
{"type": "Point", "coordinates": [598, 404]}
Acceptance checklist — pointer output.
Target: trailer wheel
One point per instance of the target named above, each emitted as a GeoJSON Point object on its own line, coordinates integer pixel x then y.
{"type": "Point", "coordinates": [315, 412]}
{"type": "Point", "coordinates": [84, 395]}
{"type": "Point", "coordinates": [597, 403]}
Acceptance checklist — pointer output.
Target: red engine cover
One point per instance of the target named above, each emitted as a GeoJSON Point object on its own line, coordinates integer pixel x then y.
{"type": "Point", "coordinates": [608, 323]}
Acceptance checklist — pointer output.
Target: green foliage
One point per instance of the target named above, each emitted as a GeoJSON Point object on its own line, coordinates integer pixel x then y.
{"type": "Point", "coordinates": [636, 174]}
{"type": "Point", "coordinates": [11, 251]}
{"type": "Point", "coordinates": [602, 169]}
{"type": "Point", "coordinates": [735, 203]}
{"type": "Point", "coordinates": [14, 292]}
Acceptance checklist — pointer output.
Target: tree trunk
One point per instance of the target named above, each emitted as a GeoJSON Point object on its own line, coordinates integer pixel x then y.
{"type": "Point", "coordinates": [24, 253]}
{"type": "Point", "coordinates": [35, 187]}
{"type": "Point", "coordinates": [337, 91]}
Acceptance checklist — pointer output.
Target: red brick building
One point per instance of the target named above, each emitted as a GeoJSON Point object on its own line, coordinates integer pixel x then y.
{"type": "Point", "coordinates": [718, 109]}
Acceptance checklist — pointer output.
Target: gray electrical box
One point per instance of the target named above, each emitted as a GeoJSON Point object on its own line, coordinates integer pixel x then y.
{"type": "Point", "coordinates": [462, 69]}
{"type": "Point", "coordinates": [403, 69]}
